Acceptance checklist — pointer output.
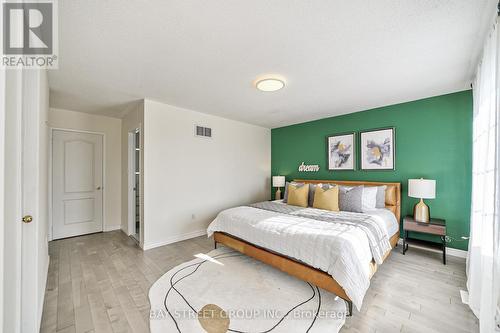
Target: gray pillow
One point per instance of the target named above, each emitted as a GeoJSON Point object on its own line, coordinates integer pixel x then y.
{"type": "Point", "coordinates": [285, 196]}
{"type": "Point", "coordinates": [310, 200]}
{"type": "Point", "coordinates": [351, 199]}
{"type": "Point", "coordinates": [381, 196]}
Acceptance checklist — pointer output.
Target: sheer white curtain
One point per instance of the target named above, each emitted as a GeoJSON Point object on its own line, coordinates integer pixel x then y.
{"type": "Point", "coordinates": [483, 261]}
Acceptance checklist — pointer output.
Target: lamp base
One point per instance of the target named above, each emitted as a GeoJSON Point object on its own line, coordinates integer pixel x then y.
{"type": "Point", "coordinates": [421, 212]}
{"type": "Point", "coordinates": [278, 194]}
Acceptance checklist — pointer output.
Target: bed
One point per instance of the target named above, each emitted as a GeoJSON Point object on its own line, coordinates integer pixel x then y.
{"type": "Point", "coordinates": [338, 257]}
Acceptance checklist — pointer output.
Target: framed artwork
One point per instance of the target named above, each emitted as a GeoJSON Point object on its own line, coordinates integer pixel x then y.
{"type": "Point", "coordinates": [378, 149]}
{"type": "Point", "coordinates": [341, 151]}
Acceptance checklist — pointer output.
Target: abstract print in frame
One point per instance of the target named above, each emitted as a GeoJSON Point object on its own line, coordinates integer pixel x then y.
{"type": "Point", "coordinates": [341, 150]}
{"type": "Point", "coordinates": [378, 149]}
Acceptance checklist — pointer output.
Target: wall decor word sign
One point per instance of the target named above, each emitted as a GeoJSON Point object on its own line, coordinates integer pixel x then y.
{"type": "Point", "coordinates": [308, 168]}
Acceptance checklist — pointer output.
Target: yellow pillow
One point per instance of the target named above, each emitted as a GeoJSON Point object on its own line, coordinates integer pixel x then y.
{"type": "Point", "coordinates": [326, 199]}
{"type": "Point", "coordinates": [390, 196]}
{"type": "Point", "coordinates": [297, 196]}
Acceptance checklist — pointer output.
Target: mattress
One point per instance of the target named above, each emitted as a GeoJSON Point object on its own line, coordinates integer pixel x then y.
{"type": "Point", "coordinates": [340, 249]}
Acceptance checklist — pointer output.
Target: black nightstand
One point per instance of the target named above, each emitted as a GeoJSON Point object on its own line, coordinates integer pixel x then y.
{"type": "Point", "coordinates": [434, 227]}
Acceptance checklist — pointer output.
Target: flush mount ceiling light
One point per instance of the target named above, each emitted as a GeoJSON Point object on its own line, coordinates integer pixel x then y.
{"type": "Point", "coordinates": [270, 84]}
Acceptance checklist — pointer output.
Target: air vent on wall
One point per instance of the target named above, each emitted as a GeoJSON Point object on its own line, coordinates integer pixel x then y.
{"type": "Point", "coordinates": [203, 131]}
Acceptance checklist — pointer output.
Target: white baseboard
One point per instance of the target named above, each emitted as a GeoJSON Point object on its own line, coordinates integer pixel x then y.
{"type": "Point", "coordinates": [456, 252]}
{"type": "Point", "coordinates": [449, 251]}
{"type": "Point", "coordinates": [112, 227]}
{"type": "Point", "coordinates": [125, 231]}
{"type": "Point", "coordinates": [174, 239]}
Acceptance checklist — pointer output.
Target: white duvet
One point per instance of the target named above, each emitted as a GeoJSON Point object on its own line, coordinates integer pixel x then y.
{"type": "Point", "coordinates": [341, 250]}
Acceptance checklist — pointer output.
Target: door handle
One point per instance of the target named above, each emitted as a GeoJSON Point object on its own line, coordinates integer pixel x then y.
{"type": "Point", "coordinates": [27, 219]}
{"type": "Point", "coordinates": [98, 188]}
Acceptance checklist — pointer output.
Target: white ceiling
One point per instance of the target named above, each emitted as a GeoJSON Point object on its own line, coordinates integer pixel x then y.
{"type": "Point", "coordinates": [337, 56]}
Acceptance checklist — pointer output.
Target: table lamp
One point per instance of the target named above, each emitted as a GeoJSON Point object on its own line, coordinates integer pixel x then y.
{"type": "Point", "coordinates": [421, 189]}
{"type": "Point", "coordinates": [278, 181]}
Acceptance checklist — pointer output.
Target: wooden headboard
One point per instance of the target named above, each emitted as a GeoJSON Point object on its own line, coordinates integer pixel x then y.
{"type": "Point", "coordinates": [392, 194]}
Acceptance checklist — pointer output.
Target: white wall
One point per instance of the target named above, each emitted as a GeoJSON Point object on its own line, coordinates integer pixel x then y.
{"type": "Point", "coordinates": [133, 120]}
{"type": "Point", "coordinates": [111, 127]}
{"type": "Point", "coordinates": [188, 180]}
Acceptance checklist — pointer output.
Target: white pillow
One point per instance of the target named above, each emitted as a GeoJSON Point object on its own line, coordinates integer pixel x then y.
{"type": "Point", "coordinates": [369, 199]}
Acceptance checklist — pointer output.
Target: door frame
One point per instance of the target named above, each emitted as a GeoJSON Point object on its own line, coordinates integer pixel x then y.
{"type": "Point", "coordinates": [2, 186]}
{"type": "Point", "coordinates": [131, 211]}
{"type": "Point", "coordinates": [21, 268]}
{"type": "Point", "coordinates": [51, 206]}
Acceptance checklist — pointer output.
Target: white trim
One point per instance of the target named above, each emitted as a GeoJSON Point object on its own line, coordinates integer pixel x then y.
{"type": "Point", "coordinates": [42, 296]}
{"type": "Point", "coordinates": [449, 251]}
{"type": "Point", "coordinates": [103, 186]}
{"type": "Point", "coordinates": [49, 199]}
{"type": "Point", "coordinates": [11, 310]}
{"type": "Point", "coordinates": [131, 209]}
{"type": "Point", "coordinates": [174, 239]}
{"type": "Point", "coordinates": [18, 194]}
{"type": "Point", "coordinates": [456, 252]}
{"type": "Point", "coordinates": [2, 188]}
{"type": "Point", "coordinates": [112, 227]}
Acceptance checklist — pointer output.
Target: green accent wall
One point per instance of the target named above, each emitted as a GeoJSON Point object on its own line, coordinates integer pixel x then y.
{"type": "Point", "coordinates": [433, 140]}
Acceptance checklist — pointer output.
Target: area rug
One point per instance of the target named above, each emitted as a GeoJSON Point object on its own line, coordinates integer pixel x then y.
{"type": "Point", "coordinates": [226, 291]}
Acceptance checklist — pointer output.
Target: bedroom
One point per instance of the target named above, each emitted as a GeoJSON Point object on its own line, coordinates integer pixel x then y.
{"type": "Point", "coordinates": [188, 166]}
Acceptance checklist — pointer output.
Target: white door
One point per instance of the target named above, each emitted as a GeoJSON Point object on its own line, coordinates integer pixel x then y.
{"type": "Point", "coordinates": [34, 186]}
{"type": "Point", "coordinates": [25, 160]}
{"type": "Point", "coordinates": [77, 178]}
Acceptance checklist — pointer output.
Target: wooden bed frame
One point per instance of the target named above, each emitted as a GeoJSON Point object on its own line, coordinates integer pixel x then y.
{"type": "Point", "coordinates": [301, 270]}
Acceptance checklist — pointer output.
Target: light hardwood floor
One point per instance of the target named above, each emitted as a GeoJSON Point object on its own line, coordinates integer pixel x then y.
{"type": "Point", "coordinates": [100, 283]}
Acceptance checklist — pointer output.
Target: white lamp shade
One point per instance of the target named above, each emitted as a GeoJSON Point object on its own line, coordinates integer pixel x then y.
{"type": "Point", "coordinates": [422, 188]}
{"type": "Point", "coordinates": [278, 181]}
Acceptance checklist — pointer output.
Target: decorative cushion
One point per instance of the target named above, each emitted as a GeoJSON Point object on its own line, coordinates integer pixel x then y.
{"type": "Point", "coordinates": [381, 196]}
{"type": "Point", "coordinates": [390, 196]}
{"type": "Point", "coordinates": [369, 201]}
{"type": "Point", "coordinates": [298, 195]}
{"type": "Point", "coordinates": [327, 199]}
{"type": "Point", "coordinates": [312, 189]}
{"type": "Point", "coordinates": [285, 196]}
{"type": "Point", "coordinates": [351, 199]}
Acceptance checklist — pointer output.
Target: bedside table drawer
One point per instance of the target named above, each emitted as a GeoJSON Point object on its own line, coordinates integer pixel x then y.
{"type": "Point", "coordinates": [433, 229]}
